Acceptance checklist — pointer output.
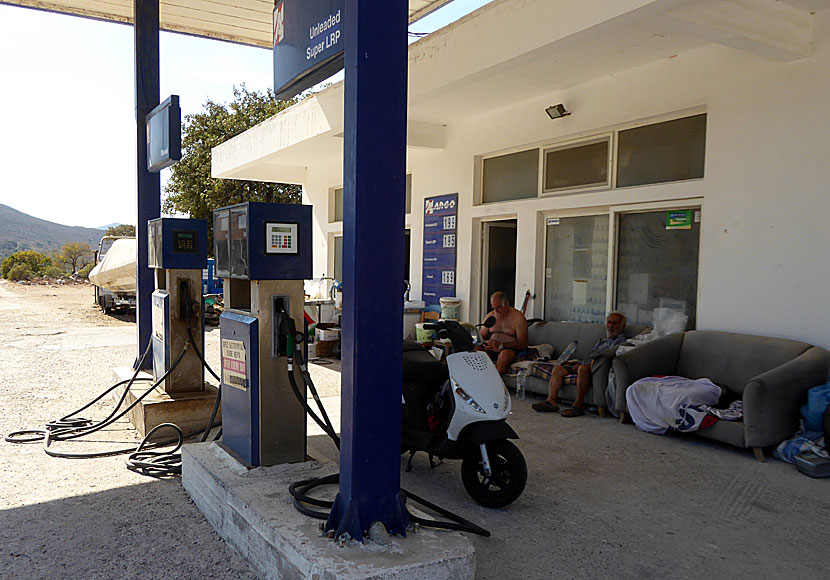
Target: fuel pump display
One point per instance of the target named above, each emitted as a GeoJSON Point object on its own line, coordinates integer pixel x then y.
{"type": "Point", "coordinates": [178, 252]}
{"type": "Point", "coordinates": [263, 251]}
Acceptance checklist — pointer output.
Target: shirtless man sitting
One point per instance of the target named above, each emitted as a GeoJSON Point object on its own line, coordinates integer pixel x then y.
{"type": "Point", "coordinates": [508, 336]}
{"type": "Point", "coordinates": [614, 327]}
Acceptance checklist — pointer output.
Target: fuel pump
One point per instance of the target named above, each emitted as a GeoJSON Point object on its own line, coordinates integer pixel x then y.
{"type": "Point", "coordinates": [178, 252]}
{"type": "Point", "coordinates": [263, 252]}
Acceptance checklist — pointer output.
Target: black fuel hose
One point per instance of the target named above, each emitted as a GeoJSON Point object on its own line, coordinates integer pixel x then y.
{"type": "Point", "coordinates": [299, 489]}
{"type": "Point", "coordinates": [218, 400]}
{"type": "Point", "coordinates": [69, 421]}
{"type": "Point", "coordinates": [141, 459]}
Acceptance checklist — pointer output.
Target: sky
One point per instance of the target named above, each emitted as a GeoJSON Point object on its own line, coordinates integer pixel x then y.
{"type": "Point", "coordinates": [67, 152]}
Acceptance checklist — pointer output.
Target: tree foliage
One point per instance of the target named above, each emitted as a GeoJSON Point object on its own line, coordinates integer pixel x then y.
{"type": "Point", "coordinates": [121, 230]}
{"type": "Point", "coordinates": [74, 254]}
{"type": "Point", "coordinates": [191, 190]}
{"type": "Point", "coordinates": [20, 271]}
{"type": "Point", "coordinates": [34, 261]}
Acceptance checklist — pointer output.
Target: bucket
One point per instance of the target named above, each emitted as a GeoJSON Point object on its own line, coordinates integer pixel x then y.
{"type": "Point", "coordinates": [449, 307]}
{"type": "Point", "coordinates": [422, 334]}
{"type": "Point", "coordinates": [410, 319]}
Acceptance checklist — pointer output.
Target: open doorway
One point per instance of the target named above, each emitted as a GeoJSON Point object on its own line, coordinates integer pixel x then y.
{"type": "Point", "coordinates": [498, 257]}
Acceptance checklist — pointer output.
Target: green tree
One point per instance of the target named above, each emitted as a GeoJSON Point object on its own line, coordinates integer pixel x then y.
{"type": "Point", "coordinates": [121, 230]}
{"type": "Point", "coordinates": [52, 272]}
{"type": "Point", "coordinates": [191, 190]}
{"type": "Point", "coordinates": [84, 272]}
{"type": "Point", "coordinates": [21, 271]}
{"type": "Point", "coordinates": [34, 261]}
{"type": "Point", "coordinates": [76, 254]}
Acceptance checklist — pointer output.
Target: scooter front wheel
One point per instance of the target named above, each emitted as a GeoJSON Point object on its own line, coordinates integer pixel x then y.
{"type": "Point", "coordinates": [507, 479]}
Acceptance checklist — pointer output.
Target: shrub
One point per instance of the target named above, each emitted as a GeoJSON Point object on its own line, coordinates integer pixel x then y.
{"type": "Point", "coordinates": [84, 272]}
{"type": "Point", "coordinates": [53, 272]}
{"type": "Point", "coordinates": [20, 272]}
{"type": "Point", "coordinates": [35, 261]}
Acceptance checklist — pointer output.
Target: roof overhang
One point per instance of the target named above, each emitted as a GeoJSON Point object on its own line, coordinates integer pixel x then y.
{"type": "Point", "coordinates": [239, 21]}
{"type": "Point", "coordinates": [510, 51]}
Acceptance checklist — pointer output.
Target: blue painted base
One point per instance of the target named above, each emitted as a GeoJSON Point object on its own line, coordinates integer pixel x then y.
{"type": "Point", "coordinates": [345, 519]}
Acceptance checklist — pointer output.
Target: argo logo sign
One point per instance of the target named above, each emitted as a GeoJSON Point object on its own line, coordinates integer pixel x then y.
{"type": "Point", "coordinates": [432, 206]}
{"type": "Point", "coordinates": [279, 23]}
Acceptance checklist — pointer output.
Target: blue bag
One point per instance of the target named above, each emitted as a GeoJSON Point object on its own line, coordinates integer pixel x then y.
{"type": "Point", "coordinates": [818, 401]}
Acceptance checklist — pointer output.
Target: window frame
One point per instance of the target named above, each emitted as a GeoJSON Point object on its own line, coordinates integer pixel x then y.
{"type": "Point", "coordinates": [610, 164]}
{"type": "Point", "coordinates": [478, 196]}
{"type": "Point", "coordinates": [575, 213]}
{"type": "Point", "coordinates": [694, 204]}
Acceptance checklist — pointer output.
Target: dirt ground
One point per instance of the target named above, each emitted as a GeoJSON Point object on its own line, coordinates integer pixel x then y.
{"type": "Point", "coordinates": [603, 500]}
{"type": "Point", "coordinates": [85, 518]}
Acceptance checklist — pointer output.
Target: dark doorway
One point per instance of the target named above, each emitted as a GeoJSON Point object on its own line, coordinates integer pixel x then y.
{"type": "Point", "coordinates": [498, 260]}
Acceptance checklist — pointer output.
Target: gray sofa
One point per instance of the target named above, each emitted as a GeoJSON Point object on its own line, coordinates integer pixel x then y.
{"type": "Point", "coordinates": [770, 375]}
{"type": "Point", "coordinates": [560, 335]}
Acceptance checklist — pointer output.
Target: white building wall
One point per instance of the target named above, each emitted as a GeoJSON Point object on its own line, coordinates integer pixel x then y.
{"type": "Point", "coordinates": [764, 237]}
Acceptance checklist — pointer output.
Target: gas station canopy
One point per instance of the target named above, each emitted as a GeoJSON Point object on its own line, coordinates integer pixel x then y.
{"type": "Point", "coordinates": [239, 21]}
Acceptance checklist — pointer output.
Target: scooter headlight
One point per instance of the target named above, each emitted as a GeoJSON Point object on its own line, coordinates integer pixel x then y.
{"type": "Point", "coordinates": [468, 399]}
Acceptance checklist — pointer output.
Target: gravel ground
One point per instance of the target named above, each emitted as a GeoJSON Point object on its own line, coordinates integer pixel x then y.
{"type": "Point", "coordinates": [603, 500]}
{"type": "Point", "coordinates": [85, 519]}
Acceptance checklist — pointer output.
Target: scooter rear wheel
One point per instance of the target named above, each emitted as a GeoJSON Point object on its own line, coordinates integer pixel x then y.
{"type": "Point", "coordinates": [508, 478]}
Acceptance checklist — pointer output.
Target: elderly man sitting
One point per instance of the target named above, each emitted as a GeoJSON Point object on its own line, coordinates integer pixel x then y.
{"type": "Point", "coordinates": [614, 327]}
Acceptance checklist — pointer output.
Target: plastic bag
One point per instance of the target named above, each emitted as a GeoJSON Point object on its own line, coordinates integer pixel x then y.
{"type": "Point", "coordinates": [668, 321]}
{"type": "Point", "coordinates": [818, 400]}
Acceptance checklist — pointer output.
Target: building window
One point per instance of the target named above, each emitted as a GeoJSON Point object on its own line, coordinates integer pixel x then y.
{"type": "Point", "coordinates": [662, 152]}
{"type": "Point", "coordinates": [576, 268]}
{"type": "Point", "coordinates": [657, 266]}
{"type": "Point", "coordinates": [577, 166]}
{"type": "Point", "coordinates": [338, 258]}
{"type": "Point", "coordinates": [337, 208]}
{"type": "Point", "coordinates": [511, 176]}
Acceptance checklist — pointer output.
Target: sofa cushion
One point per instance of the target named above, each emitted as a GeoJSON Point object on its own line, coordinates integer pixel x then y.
{"type": "Point", "coordinates": [560, 334]}
{"type": "Point", "coordinates": [731, 359]}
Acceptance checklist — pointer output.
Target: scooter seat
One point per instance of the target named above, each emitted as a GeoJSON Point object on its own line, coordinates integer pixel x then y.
{"type": "Point", "coordinates": [419, 366]}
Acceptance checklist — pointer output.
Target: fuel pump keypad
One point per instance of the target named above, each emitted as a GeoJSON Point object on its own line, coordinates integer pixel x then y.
{"type": "Point", "coordinates": [281, 238]}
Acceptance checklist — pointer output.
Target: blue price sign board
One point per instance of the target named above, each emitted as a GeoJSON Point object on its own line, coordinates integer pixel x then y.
{"type": "Point", "coordinates": [308, 44]}
{"type": "Point", "coordinates": [440, 218]}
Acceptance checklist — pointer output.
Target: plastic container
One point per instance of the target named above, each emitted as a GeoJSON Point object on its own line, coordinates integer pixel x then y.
{"type": "Point", "coordinates": [566, 354]}
{"type": "Point", "coordinates": [410, 319]}
{"type": "Point", "coordinates": [422, 334]}
{"type": "Point", "coordinates": [521, 381]}
{"type": "Point", "coordinates": [449, 307]}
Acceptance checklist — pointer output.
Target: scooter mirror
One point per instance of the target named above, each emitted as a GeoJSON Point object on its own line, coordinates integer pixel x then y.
{"type": "Point", "coordinates": [490, 322]}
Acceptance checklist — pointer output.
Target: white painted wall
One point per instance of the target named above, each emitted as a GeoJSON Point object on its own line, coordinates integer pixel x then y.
{"type": "Point", "coordinates": [765, 240]}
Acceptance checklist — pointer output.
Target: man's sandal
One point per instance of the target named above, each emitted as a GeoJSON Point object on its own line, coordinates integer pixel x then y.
{"type": "Point", "coordinates": [545, 407]}
{"type": "Point", "coordinates": [573, 412]}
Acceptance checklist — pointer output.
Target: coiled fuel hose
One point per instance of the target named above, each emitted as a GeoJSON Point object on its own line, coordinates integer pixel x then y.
{"type": "Point", "coordinates": [299, 490]}
{"type": "Point", "coordinates": [143, 458]}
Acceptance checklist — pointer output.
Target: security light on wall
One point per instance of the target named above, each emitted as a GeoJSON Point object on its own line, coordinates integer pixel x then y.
{"type": "Point", "coordinates": [556, 111]}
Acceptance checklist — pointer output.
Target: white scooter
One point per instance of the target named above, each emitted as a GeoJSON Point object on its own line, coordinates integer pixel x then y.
{"type": "Point", "coordinates": [458, 411]}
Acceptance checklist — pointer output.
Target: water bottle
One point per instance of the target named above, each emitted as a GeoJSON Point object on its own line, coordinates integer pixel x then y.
{"type": "Point", "coordinates": [566, 354]}
{"type": "Point", "coordinates": [521, 380]}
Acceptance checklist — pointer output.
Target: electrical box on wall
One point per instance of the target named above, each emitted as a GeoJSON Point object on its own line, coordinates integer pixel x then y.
{"type": "Point", "coordinates": [177, 244]}
{"type": "Point", "coordinates": [263, 241]}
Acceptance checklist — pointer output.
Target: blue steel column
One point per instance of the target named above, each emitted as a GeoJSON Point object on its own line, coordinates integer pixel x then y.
{"type": "Point", "coordinates": [373, 252]}
{"type": "Point", "coordinates": [146, 18]}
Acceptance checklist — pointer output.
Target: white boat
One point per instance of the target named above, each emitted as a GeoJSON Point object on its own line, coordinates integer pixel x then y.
{"type": "Point", "coordinates": [116, 271]}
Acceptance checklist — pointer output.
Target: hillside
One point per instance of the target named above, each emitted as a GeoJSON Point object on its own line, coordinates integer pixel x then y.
{"type": "Point", "coordinates": [20, 231]}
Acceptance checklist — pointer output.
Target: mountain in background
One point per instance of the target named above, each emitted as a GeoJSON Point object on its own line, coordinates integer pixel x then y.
{"type": "Point", "coordinates": [20, 231]}
{"type": "Point", "coordinates": [108, 226]}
